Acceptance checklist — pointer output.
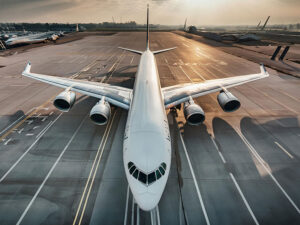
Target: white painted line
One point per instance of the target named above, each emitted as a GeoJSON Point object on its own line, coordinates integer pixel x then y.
{"type": "Point", "coordinates": [21, 117]}
{"type": "Point", "coordinates": [44, 118]}
{"type": "Point", "coordinates": [132, 60]}
{"type": "Point", "coordinates": [126, 206]}
{"type": "Point", "coordinates": [29, 122]}
{"type": "Point", "coordinates": [22, 156]}
{"type": "Point", "coordinates": [45, 128]}
{"type": "Point", "coordinates": [195, 180]}
{"type": "Point", "coordinates": [157, 215]}
{"type": "Point", "coordinates": [186, 74]}
{"type": "Point", "coordinates": [7, 141]}
{"type": "Point", "coordinates": [35, 127]}
{"type": "Point", "coordinates": [137, 214]}
{"type": "Point", "coordinates": [132, 211]}
{"type": "Point", "coordinates": [49, 173]}
{"type": "Point", "coordinates": [244, 199]}
{"type": "Point", "coordinates": [198, 73]}
{"type": "Point", "coordinates": [20, 131]}
{"type": "Point", "coordinates": [262, 162]}
{"type": "Point", "coordinates": [29, 134]}
{"type": "Point", "coordinates": [283, 149]}
{"type": "Point", "coordinates": [216, 146]}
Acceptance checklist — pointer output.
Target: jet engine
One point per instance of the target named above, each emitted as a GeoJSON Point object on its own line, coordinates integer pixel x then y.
{"type": "Point", "coordinates": [228, 101]}
{"type": "Point", "coordinates": [100, 113]}
{"type": "Point", "coordinates": [65, 100]}
{"type": "Point", "coordinates": [193, 113]}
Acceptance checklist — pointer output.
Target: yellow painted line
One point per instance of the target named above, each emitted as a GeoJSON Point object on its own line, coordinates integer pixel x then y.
{"type": "Point", "coordinates": [26, 118]}
{"type": "Point", "coordinates": [93, 172]}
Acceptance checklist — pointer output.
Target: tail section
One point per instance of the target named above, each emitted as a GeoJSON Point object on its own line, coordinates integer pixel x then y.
{"type": "Point", "coordinates": [147, 40]}
{"type": "Point", "coordinates": [131, 50]}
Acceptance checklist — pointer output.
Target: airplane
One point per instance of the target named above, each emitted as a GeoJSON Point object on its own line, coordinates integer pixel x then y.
{"type": "Point", "coordinates": [32, 38]}
{"type": "Point", "coordinates": [146, 142]}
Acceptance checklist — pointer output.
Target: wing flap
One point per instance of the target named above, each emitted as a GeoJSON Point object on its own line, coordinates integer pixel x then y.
{"type": "Point", "coordinates": [178, 94]}
{"type": "Point", "coordinates": [116, 95]}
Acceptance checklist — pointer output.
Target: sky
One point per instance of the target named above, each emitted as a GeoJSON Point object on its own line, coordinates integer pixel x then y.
{"type": "Point", "coordinates": [170, 12]}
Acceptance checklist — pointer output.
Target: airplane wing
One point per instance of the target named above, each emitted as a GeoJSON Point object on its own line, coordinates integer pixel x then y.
{"type": "Point", "coordinates": [115, 95]}
{"type": "Point", "coordinates": [175, 95]}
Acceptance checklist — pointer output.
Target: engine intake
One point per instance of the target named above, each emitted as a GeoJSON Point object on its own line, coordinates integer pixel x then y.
{"type": "Point", "coordinates": [228, 101]}
{"type": "Point", "coordinates": [193, 113]}
{"type": "Point", "coordinates": [65, 100]}
{"type": "Point", "coordinates": [100, 113]}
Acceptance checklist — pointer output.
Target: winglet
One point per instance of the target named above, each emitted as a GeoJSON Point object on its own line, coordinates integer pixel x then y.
{"type": "Point", "coordinates": [263, 70]}
{"type": "Point", "coordinates": [27, 68]}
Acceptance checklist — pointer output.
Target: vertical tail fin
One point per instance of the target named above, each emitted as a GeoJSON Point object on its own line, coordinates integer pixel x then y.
{"type": "Point", "coordinates": [147, 40]}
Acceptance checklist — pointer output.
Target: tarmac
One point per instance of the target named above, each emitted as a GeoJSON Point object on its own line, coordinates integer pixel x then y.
{"type": "Point", "coordinates": [60, 168]}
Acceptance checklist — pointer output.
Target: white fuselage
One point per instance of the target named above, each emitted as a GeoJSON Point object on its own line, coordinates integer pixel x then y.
{"type": "Point", "coordinates": [147, 144]}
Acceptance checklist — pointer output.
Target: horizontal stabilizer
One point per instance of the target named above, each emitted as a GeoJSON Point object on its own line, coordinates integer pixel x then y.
{"type": "Point", "coordinates": [131, 50]}
{"type": "Point", "coordinates": [163, 50]}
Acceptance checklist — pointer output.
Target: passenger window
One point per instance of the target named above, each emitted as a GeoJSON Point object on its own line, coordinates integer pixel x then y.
{"type": "Point", "coordinates": [130, 164]}
{"type": "Point", "coordinates": [135, 174]}
{"type": "Point", "coordinates": [164, 166]}
{"type": "Point", "coordinates": [132, 169]}
{"type": "Point", "coordinates": [158, 175]}
{"type": "Point", "coordinates": [162, 171]}
{"type": "Point", "coordinates": [142, 177]}
{"type": "Point", "coordinates": [151, 178]}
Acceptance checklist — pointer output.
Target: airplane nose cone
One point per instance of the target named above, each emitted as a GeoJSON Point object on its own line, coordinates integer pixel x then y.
{"type": "Point", "coordinates": [147, 201]}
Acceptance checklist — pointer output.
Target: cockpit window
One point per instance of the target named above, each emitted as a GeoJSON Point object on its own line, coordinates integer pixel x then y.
{"type": "Point", "coordinates": [132, 169]}
{"type": "Point", "coordinates": [144, 177]}
{"type": "Point", "coordinates": [151, 178]}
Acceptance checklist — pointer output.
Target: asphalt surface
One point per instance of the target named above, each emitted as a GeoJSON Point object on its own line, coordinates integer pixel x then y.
{"type": "Point", "coordinates": [60, 168]}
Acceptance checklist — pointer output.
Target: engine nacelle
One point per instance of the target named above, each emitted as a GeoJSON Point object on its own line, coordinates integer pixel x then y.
{"type": "Point", "coordinates": [65, 100]}
{"type": "Point", "coordinates": [100, 113]}
{"type": "Point", "coordinates": [193, 113]}
{"type": "Point", "coordinates": [228, 101]}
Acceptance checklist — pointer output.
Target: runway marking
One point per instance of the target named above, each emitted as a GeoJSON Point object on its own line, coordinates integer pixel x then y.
{"type": "Point", "coordinates": [244, 199]}
{"type": "Point", "coordinates": [20, 131]}
{"type": "Point", "coordinates": [216, 146]}
{"type": "Point", "coordinates": [45, 117]}
{"type": "Point", "coordinates": [198, 73]}
{"type": "Point", "coordinates": [93, 172]}
{"type": "Point", "coordinates": [25, 119]}
{"type": "Point", "coordinates": [7, 141]}
{"type": "Point", "coordinates": [15, 122]}
{"type": "Point", "coordinates": [275, 100]}
{"type": "Point", "coordinates": [35, 127]}
{"type": "Point", "coordinates": [186, 74]}
{"type": "Point", "coordinates": [194, 178]}
{"type": "Point", "coordinates": [29, 134]}
{"type": "Point", "coordinates": [132, 59]}
{"type": "Point", "coordinates": [137, 214]}
{"type": "Point", "coordinates": [22, 156]}
{"type": "Point", "coordinates": [45, 129]}
{"type": "Point", "coordinates": [292, 97]}
{"type": "Point", "coordinates": [49, 173]}
{"type": "Point", "coordinates": [262, 162]}
{"type": "Point", "coordinates": [126, 206]}
{"type": "Point", "coordinates": [283, 149]}
{"type": "Point", "coordinates": [132, 211]}
{"type": "Point", "coordinates": [157, 214]}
